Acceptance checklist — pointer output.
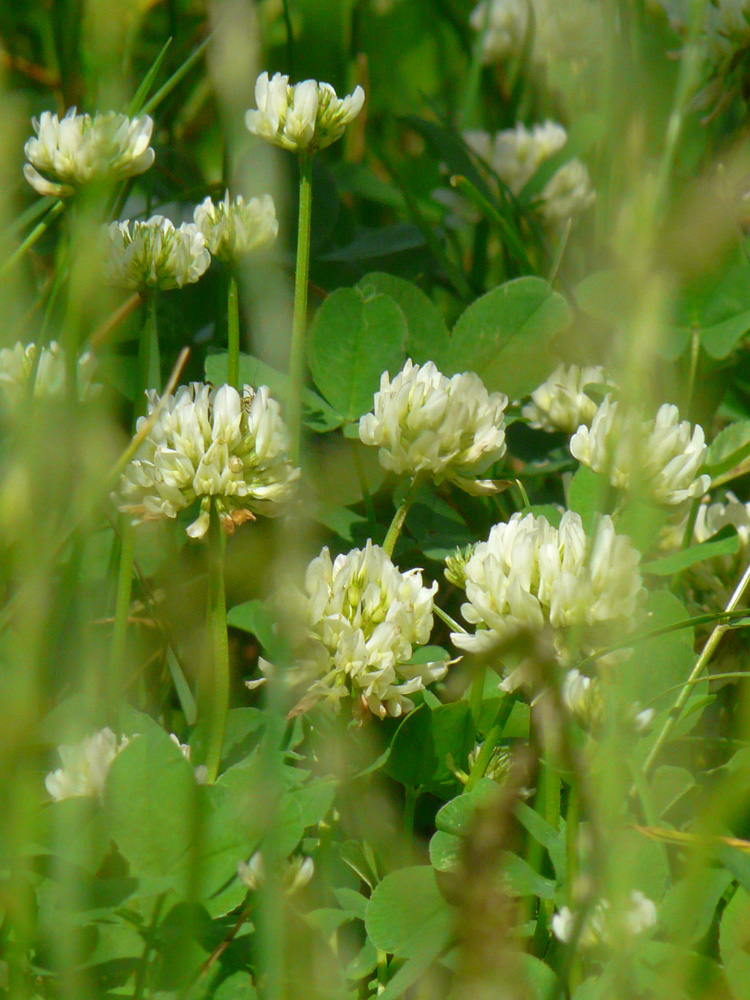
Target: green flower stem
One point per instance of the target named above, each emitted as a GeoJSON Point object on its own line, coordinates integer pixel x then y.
{"type": "Point", "coordinates": [410, 805]}
{"type": "Point", "coordinates": [233, 332]}
{"type": "Point", "coordinates": [297, 352]}
{"type": "Point", "coordinates": [572, 822]}
{"type": "Point", "coordinates": [491, 740]}
{"type": "Point", "coordinates": [148, 376]}
{"type": "Point", "coordinates": [213, 696]}
{"type": "Point", "coordinates": [400, 516]}
{"type": "Point", "coordinates": [476, 694]}
{"type": "Point", "coordinates": [450, 622]}
{"type": "Point", "coordinates": [702, 662]}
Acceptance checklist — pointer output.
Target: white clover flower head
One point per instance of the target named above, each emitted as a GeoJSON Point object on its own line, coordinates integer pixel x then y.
{"type": "Point", "coordinates": [568, 193]}
{"type": "Point", "coordinates": [362, 618]}
{"type": "Point", "coordinates": [17, 364]}
{"type": "Point", "coordinates": [295, 873]}
{"type": "Point", "coordinates": [579, 694]}
{"type": "Point", "coordinates": [449, 428]}
{"type": "Point", "coordinates": [529, 574]}
{"type": "Point", "coordinates": [562, 403]}
{"type": "Point", "coordinates": [303, 116]}
{"type": "Point", "coordinates": [69, 152]}
{"type": "Point", "coordinates": [507, 24]}
{"type": "Point", "coordinates": [155, 254]}
{"type": "Point", "coordinates": [215, 446]}
{"type": "Point", "coordinates": [233, 229]}
{"type": "Point", "coordinates": [605, 925]}
{"type": "Point", "coordinates": [519, 152]}
{"type": "Point", "coordinates": [662, 456]}
{"type": "Point", "coordinates": [712, 518]}
{"type": "Point", "coordinates": [85, 766]}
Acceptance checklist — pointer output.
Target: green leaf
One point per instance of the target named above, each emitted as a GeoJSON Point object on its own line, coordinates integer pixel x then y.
{"type": "Point", "coordinates": [676, 562]}
{"type": "Point", "coordinates": [452, 733]}
{"type": "Point", "coordinates": [166, 89]}
{"type": "Point", "coordinates": [456, 816]}
{"type": "Point", "coordinates": [688, 909]}
{"type": "Point", "coordinates": [545, 835]}
{"type": "Point", "coordinates": [427, 336]}
{"type": "Point", "coordinates": [506, 335]}
{"type": "Point", "coordinates": [255, 618]}
{"type": "Point", "coordinates": [730, 446]}
{"type": "Point", "coordinates": [238, 986]}
{"type": "Point", "coordinates": [587, 494]}
{"type": "Point", "coordinates": [300, 809]}
{"type": "Point", "coordinates": [663, 661]}
{"type": "Point", "coordinates": [317, 415]}
{"type": "Point", "coordinates": [352, 341]}
{"type": "Point", "coordinates": [407, 913]}
{"type": "Point", "coordinates": [364, 962]}
{"type": "Point", "coordinates": [734, 931]}
{"type": "Point", "coordinates": [412, 760]}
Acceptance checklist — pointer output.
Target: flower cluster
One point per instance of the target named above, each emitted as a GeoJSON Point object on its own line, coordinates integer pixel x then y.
{"type": "Point", "coordinates": [17, 365]}
{"type": "Point", "coordinates": [85, 766]}
{"type": "Point", "coordinates": [155, 254]}
{"type": "Point", "coordinates": [712, 518]}
{"type": "Point", "coordinates": [506, 23]}
{"type": "Point", "coordinates": [529, 574]}
{"type": "Point", "coordinates": [604, 926]}
{"type": "Point", "coordinates": [362, 619]}
{"type": "Point", "coordinates": [212, 445]}
{"type": "Point", "coordinates": [232, 229]}
{"type": "Point", "coordinates": [661, 456]}
{"type": "Point", "coordinates": [562, 403]}
{"type": "Point", "coordinates": [517, 154]}
{"type": "Point", "coordinates": [71, 151]}
{"type": "Point", "coordinates": [424, 422]}
{"type": "Point", "coordinates": [303, 116]}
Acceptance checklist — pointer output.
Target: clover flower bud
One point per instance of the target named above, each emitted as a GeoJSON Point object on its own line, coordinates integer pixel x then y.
{"type": "Point", "coordinates": [455, 565]}
{"type": "Point", "coordinates": [303, 116]}
{"type": "Point", "coordinates": [529, 575]}
{"type": "Point", "coordinates": [155, 254]}
{"type": "Point", "coordinates": [449, 428]}
{"type": "Point", "coordinates": [506, 26]}
{"type": "Point", "coordinates": [568, 193]}
{"type": "Point", "coordinates": [85, 766]}
{"type": "Point", "coordinates": [69, 152]}
{"type": "Point", "coordinates": [562, 403]}
{"type": "Point", "coordinates": [662, 456]}
{"type": "Point", "coordinates": [17, 364]}
{"type": "Point", "coordinates": [232, 229]}
{"type": "Point", "coordinates": [214, 446]}
{"type": "Point", "coordinates": [358, 623]}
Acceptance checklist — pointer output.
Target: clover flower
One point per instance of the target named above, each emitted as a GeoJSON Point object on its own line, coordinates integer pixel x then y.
{"type": "Point", "coordinates": [155, 254]}
{"type": "Point", "coordinates": [562, 403]}
{"type": "Point", "coordinates": [529, 574]}
{"type": "Point", "coordinates": [303, 116]}
{"type": "Point", "coordinates": [361, 618]}
{"type": "Point", "coordinates": [662, 456]}
{"type": "Point", "coordinates": [568, 193]}
{"type": "Point", "coordinates": [450, 428]}
{"type": "Point", "coordinates": [232, 229]}
{"type": "Point", "coordinates": [71, 151]}
{"type": "Point", "coordinates": [295, 873]}
{"type": "Point", "coordinates": [712, 518]}
{"type": "Point", "coordinates": [85, 766]}
{"type": "Point", "coordinates": [517, 153]}
{"type": "Point", "coordinates": [17, 363]}
{"type": "Point", "coordinates": [212, 445]}
{"type": "Point", "coordinates": [605, 926]}
{"type": "Point", "coordinates": [507, 24]}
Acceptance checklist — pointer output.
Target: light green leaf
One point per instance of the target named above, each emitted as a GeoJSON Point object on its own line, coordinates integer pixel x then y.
{"type": "Point", "coordinates": [407, 913]}
{"type": "Point", "coordinates": [676, 562]}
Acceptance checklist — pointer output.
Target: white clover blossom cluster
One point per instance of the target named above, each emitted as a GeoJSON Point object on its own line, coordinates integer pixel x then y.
{"type": "Point", "coordinates": [362, 619]}
{"type": "Point", "coordinates": [212, 445]}
{"type": "Point", "coordinates": [71, 151]}
{"type": "Point", "coordinates": [561, 403]}
{"type": "Point", "coordinates": [506, 21]}
{"type": "Point", "coordinates": [155, 254]}
{"type": "Point", "coordinates": [516, 155]}
{"type": "Point", "coordinates": [17, 364]}
{"type": "Point", "coordinates": [449, 428]}
{"type": "Point", "coordinates": [303, 116]}
{"type": "Point", "coordinates": [233, 228]}
{"type": "Point", "coordinates": [295, 873]}
{"type": "Point", "coordinates": [662, 456]}
{"type": "Point", "coordinates": [605, 926]}
{"type": "Point", "coordinates": [85, 766]}
{"type": "Point", "coordinates": [529, 574]}
{"type": "Point", "coordinates": [712, 518]}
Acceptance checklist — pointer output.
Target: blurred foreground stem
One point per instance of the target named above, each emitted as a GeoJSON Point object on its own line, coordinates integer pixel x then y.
{"type": "Point", "coordinates": [213, 695]}
{"type": "Point", "coordinates": [233, 333]}
{"type": "Point", "coordinates": [302, 272]}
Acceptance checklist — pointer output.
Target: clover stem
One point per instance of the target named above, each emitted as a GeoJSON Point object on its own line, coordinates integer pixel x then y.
{"type": "Point", "coordinates": [233, 333]}
{"type": "Point", "coordinates": [400, 516]}
{"type": "Point", "coordinates": [299, 324]}
{"type": "Point", "coordinates": [213, 697]}
{"type": "Point", "coordinates": [491, 740]}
